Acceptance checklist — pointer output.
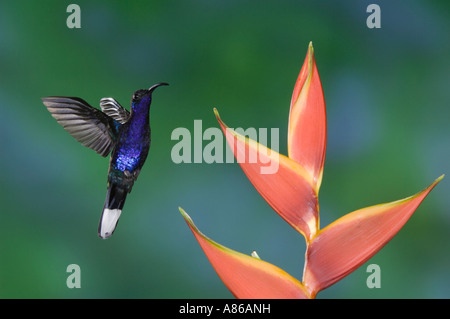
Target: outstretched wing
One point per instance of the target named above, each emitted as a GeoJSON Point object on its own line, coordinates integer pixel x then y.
{"type": "Point", "coordinates": [86, 124]}
{"type": "Point", "coordinates": [113, 109]}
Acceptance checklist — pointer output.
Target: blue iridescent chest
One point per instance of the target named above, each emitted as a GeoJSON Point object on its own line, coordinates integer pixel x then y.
{"type": "Point", "coordinates": [133, 141]}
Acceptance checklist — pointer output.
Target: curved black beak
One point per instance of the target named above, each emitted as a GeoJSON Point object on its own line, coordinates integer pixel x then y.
{"type": "Point", "coordinates": [153, 87]}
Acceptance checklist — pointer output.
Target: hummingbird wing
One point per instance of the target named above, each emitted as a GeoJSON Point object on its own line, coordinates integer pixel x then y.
{"type": "Point", "coordinates": [113, 109]}
{"type": "Point", "coordinates": [86, 124]}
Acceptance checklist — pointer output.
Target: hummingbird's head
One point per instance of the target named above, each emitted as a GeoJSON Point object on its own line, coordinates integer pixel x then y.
{"type": "Point", "coordinates": [140, 94]}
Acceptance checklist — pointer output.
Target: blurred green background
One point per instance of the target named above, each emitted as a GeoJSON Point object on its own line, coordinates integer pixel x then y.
{"type": "Point", "coordinates": [387, 92]}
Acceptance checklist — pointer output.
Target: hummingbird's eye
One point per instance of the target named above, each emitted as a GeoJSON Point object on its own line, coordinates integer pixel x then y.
{"type": "Point", "coordinates": [139, 94]}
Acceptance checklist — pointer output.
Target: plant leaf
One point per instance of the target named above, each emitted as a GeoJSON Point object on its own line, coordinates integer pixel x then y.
{"type": "Point", "coordinates": [350, 241]}
{"type": "Point", "coordinates": [245, 276]}
{"type": "Point", "coordinates": [288, 190]}
{"type": "Point", "coordinates": [307, 132]}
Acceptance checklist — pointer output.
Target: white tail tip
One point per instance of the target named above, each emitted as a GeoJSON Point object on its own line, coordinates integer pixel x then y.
{"type": "Point", "coordinates": [108, 222]}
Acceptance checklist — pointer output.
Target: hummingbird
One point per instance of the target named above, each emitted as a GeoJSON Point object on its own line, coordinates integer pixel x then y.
{"type": "Point", "coordinates": [115, 130]}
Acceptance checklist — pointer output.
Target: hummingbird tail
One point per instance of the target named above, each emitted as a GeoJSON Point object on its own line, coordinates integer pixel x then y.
{"type": "Point", "coordinates": [115, 199]}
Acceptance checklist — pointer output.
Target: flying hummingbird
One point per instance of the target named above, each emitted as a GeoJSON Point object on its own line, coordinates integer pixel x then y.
{"type": "Point", "coordinates": [126, 134]}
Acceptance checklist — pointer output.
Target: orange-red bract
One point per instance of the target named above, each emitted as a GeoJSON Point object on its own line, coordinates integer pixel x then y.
{"type": "Point", "coordinates": [307, 132]}
{"type": "Point", "coordinates": [289, 190]}
{"type": "Point", "coordinates": [245, 276]}
{"type": "Point", "coordinates": [350, 241]}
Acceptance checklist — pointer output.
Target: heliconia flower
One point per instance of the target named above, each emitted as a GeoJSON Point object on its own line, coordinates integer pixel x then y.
{"type": "Point", "coordinates": [292, 191]}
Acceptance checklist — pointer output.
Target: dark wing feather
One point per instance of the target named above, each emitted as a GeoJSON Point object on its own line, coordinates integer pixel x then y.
{"type": "Point", "coordinates": [86, 124]}
{"type": "Point", "coordinates": [113, 109]}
